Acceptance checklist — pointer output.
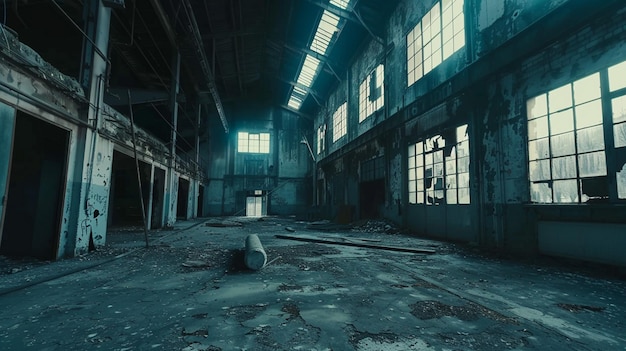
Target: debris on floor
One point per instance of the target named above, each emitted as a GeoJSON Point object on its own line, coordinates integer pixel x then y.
{"type": "Point", "coordinates": [195, 264]}
{"type": "Point", "coordinates": [375, 226]}
{"type": "Point", "coordinates": [357, 244]}
{"type": "Point", "coordinates": [222, 223]}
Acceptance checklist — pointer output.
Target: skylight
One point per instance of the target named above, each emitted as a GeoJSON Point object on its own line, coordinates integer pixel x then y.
{"type": "Point", "coordinates": [325, 32]}
{"type": "Point", "coordinates": [342, 4]}
{"type": "Point", "coordinates": [324, 36]}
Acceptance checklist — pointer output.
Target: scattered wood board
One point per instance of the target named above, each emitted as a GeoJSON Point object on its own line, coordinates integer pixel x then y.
{"type": "Point", "coordinates": [352, 243]}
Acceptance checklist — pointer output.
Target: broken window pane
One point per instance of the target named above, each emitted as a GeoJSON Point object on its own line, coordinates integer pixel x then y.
{"type": "Point", "coordinates": [589, 114]}
{"type": "Point", "coordinates": [562, 122]}
{"type": "Point", "coordinates": [565, 191]}
{"type": "Point", "coordinates": [439, 196]}
{"type": "Point", "coordinates": [592, 164]}
{"type": "Point", "coordinates": [540, 192]}
{"type": "Point", "coordinates": [596, 188]}
{"type": "Point", "coordinates": [451, 181]}
{"type": "Point", "coordinates": [438, 169]}
{"type": "Point", "coordinates": [587, 89]}
{"type": "Point", "coordinates": [538, 149]}
{"type": "Point", "coordinates": [619, 109]}
{"type": "Point", "coordinates": [538, 128]}
{"type": "Point", "coordinates": [563, 167]}
{"type": "Point", "coordinates": [590, 139]}
{"type": "Point", "coordinates": [619, 132]}
{"type": "Point", "coordinates": [537, 106]}
{"type": "Point", "coordinates": [461, 133]}
{"type": "Point", "coordinates": [438, 157]}
{"type": "Point", "coordinates": [617, 76]}
{"type": "Point", "coordinates": [430, 196]}
{"type": "Point", "coordinates": [562, 144]}
{"type": "Point", "coordinates": [620, 176]}
{"type": "Point", "coordinates": [560, 98]}
{"type": "Point", "coordinates": [463, 149]}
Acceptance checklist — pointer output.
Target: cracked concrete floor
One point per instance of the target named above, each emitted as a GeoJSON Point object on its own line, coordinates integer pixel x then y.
{"type": "Point", "coordinates": [190, 291]}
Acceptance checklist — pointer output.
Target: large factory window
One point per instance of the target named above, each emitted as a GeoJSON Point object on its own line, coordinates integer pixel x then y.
{"type": "Point", "coordinates": [438, 170]}
{"type": "Point", "coordinates": [569, 139]}
{"type": "Point", "coordinates": [258, 143]}
{"type": "Point", "coordinates": [340, 121]}
{"type": "Point", "coordinates": [439, 34]}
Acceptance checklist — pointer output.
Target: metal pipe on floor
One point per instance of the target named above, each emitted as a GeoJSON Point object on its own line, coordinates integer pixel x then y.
{"type": "Point", "coordinates": [255, 256]}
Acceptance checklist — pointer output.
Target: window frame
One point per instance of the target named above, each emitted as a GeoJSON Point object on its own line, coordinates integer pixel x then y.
{"type": "Point", "coordinates": [598, 135]}
{"type": "Point", "coordinates": [368, 105]}
{"type": "Point", "coordinates": [340, 121]}
{"type": "Point", "coordinates": [435, 169]}
{"type": "Point", "coordinates": [253, 143]}
{"type": "Point", "coordinates": [437, 36]}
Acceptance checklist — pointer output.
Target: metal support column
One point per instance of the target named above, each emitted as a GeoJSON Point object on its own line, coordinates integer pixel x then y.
{"type": "Point", "coordinates": [174, 90]}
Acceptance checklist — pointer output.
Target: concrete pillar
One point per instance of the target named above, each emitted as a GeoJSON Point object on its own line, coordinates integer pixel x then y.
{"type": "Point", "coordinates": [7, 125]}
{"type": "Point", "coordinates": [255, 257]}
{"type": "Point", "coordinates": [172, 195]}
{"type": "Point", "coordinates": [93, 196]}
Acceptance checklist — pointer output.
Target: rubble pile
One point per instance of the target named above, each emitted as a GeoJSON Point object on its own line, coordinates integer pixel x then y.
{"type": "Point", "coordinates": [375, 226]}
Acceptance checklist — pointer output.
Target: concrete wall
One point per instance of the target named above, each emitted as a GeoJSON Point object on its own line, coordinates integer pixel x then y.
{"type": "Point", "coordinates": [283, 174]}
{"type": "Point", "coordinates": [514, 50]}
{"type": "Point", "coordinates": [85, 200]}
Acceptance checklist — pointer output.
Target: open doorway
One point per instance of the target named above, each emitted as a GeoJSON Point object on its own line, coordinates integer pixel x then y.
{"type": "Point", "coordinates": [182, 205]}
{"type": "Point", "coordinates": [201, 201]}
{"type": "Point", "coordinates": [256, 204]}
{"type": "Point", "coordinates": [158, 191]}
{"type": "Point", "coordinates": [125, 204]}
{"type": "Point", "coordinates": [36, 186]}
{"type": "Point", "coordinates": [372, 196]}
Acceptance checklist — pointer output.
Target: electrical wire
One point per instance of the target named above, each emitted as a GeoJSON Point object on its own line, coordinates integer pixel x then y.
{"type": "Point", "coordinates": [96, 49]}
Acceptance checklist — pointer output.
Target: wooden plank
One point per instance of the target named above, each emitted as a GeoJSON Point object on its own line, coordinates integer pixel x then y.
{"type": "Point", "coordinates": [355, 244]}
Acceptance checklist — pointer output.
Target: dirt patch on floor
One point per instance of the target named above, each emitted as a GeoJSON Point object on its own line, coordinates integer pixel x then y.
{"type": "Point", "coordinates": [469, 312]}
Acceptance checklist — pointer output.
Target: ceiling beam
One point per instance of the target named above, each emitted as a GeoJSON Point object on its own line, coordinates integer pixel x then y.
{"type": "Point", "coordinates": [353, 16]}
{"type": "Point", "coordinates": [204, 64]}
{"type": "Point", "coordinates": [317, 55]}
{"type": "Point", "coordinates": [236, 43]}
{"type": "Point", "coordinates": [335, 10]}
{"type": "Point", "coordinates": [309, 91]}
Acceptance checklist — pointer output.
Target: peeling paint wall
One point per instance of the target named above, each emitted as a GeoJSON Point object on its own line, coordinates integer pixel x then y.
{"type": "Point", "coordinates": [89, 160]}
{"type": "Point", "coordinates": [283, 174]}
{"type": "Point", "coordinates": [93, 217]}
{"type": "Point", "coordinates": [514, 50]}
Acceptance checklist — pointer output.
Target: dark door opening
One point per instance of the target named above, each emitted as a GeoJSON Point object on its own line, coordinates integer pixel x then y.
{"type": "Point", "coordinates": [36, 187]}
{"type": "Point", "coordinates": [183, 198]}
{"type": "Point", "coordinates": [125, 204]}
{"type": "Point", "coordinates": [372, 197]}
{"type": "Point", "coordinates": [201, 201]}
{"type": "Point", "coordinates": [158, 192]}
